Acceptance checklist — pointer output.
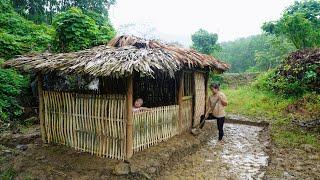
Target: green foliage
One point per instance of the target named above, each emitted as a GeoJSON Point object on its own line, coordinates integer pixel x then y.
{"type": "Point", "coordinates": [106, 30]}
{"type": "Point", "coordinates": [43, 11]}
{"type": "Point", "coordinates": [296, 75]}
{"type": "Point", "coordinates": [205, 42]}
{"type": "Point", "coordinates": [76, 30]}
{"type": "Point", "coordinates": [257, 103]}
{"type": "Point", "coordinates": [254, 53]}
{"type": "Point", "coordinates": [11, 84]}
{"type": "Point", "coordinates": [19, 36]}
{"type": "Point", "coordinates": [300, 24]}
{"type": "Point", "coordinates": [8, 174]}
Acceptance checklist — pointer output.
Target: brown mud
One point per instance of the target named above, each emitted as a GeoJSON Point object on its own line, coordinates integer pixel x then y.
{"type": "Point", "coordinates": [242, 155]}
{"type": "Point", "coordinates": [247, 153]}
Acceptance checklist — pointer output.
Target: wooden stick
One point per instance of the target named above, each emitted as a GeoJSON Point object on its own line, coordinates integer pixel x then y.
{"type": "Point", "coordinates": [41, 108]}
{"type": "Point", "coordinates": [180, 102]}
{"type": "Point", "coordinates": [129, 138]}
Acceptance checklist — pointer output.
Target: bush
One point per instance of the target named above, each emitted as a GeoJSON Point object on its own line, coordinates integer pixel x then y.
{"type": "Point", "coordinates": [19, 36]}
{"type": "Point", "coordinates": [297, 74]}
{"type": "Point", "coordinates": [11, 85]}
{"type": "Point", "coordinates": [74, 31]}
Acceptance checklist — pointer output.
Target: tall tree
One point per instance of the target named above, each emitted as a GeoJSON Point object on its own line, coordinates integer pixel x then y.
{"type": "Point", "coordinates": [205, 42]}
{"type": "Point", "coordinates": [300, 24]}
{"type": "Point", "coordinates": [43, 11]}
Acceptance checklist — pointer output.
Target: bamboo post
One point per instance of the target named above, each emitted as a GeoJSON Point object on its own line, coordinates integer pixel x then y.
{"type": "Point", "coordinates": [129, 118]}
{"type": "Point", "coordinates": [180, 101]}
{"type": "Point", "coordinates": [41, 108]}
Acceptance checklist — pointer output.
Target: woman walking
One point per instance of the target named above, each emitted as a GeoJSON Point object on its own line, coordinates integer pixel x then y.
{"type": "Point", "coordinates": [216, 105]}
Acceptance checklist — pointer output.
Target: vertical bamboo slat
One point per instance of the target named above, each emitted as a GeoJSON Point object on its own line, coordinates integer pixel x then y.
{"type": "Point", "coordinates": [129, 138]}
{"type": "Point", "coordinates": [155, 125]}
{"type": "Point", "coordinates": [41, 108]}
{"type": "Point", "coordinates": [91, 123]}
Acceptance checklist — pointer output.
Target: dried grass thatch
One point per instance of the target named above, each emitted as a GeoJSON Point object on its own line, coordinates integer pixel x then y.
{"type": "Point", "coordinates": [187, 57]}
{"type": "Point", "coordinates": [127, 55]}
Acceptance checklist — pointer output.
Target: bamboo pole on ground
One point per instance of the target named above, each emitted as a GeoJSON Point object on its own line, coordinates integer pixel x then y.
{"type": "Point", "coordinates": [180, 102]}
{"type": "Point", "coordinates": [129, 146]}
{"type": "Point", "coordinates": [41, 108]}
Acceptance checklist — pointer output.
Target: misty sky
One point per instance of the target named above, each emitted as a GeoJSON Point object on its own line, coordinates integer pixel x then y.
{"type": "Point", "coordinates": [176, 20]}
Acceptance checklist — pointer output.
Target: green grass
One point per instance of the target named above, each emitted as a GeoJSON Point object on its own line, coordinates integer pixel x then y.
{"type": "Point", "coordinates": [251, 102]}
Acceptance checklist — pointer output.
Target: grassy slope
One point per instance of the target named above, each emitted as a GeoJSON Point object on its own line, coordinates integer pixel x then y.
{"type": "Point", "coordinates": [249, 101]}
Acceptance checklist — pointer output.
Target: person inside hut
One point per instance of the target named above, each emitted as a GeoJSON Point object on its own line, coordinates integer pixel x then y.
{"type": "Point", "coordinates": [137, 106]}
{"type": "Point", "coordinates": [216, 105]}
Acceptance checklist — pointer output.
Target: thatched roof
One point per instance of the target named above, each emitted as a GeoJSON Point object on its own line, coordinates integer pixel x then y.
{"type": "Point", "coordinates": [122, 56]}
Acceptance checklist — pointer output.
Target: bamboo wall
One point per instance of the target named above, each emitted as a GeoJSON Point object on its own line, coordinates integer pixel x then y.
{"type": "Point", "coordinates": [88, 122]}
{"type": "Point", "coordinates": [153, 126]}
{"type": "Point", "coordinates": [200, 99]}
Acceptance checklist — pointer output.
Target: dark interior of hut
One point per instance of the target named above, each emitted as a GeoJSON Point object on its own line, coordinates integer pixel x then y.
{"type": "Point", "coordinates": [160, 90]}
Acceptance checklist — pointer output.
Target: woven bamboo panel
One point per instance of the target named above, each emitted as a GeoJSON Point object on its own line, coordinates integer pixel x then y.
{"type": "Point", "coordinates": [200, 99]}
{"type": "Point", "coordinates": [186, 113]}
{"type": "Point", "coordinates": [88, 122]}
{"type": "Point", "coordinates": [153, 126]}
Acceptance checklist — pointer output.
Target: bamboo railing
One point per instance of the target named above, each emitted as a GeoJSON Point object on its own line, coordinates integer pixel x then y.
{"type": "Point", "coordinates": [154, 125]}
{"type": "Point", "coordinates": [88, 122]}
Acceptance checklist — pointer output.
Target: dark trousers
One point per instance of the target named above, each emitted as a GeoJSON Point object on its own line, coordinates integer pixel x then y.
{"type": "Point", "coordinates": [220, 122]}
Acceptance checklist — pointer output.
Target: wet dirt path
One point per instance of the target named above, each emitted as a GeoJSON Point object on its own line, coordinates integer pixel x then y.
{"type": "Point", "coordinates": [241, 156]}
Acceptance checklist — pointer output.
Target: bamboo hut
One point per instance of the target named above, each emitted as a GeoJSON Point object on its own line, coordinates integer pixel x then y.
{"type": "Point", "coordinates": [171, 80]}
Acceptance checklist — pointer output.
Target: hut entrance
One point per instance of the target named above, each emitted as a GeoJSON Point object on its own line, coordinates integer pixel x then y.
{"type": "Point", "coordinates": [160, 122]}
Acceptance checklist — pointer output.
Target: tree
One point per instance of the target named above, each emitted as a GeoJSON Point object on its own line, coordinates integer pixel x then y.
{"type": "Point", "coordinates": [205, 42]}
{"type": "Point", "coordinates": [76, 31]}
{"type": "Point", "coordinates": [254, 53]}
{"type": "Point", "coordinates": [300, 24]}
{"type": "Point", "coordinates": [18, 35]}
{"type": "Point", "coordinates": [43, 11]}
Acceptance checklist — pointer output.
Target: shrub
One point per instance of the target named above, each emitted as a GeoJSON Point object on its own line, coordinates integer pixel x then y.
{"type": "Point", "coordinates": [74, 31]}
{"type": "Point", "coordinates": [11, 85]}
{"type": "Point", "coordinates": [297, 74]}
{"type": "Point", "coordinates": [18, 35]}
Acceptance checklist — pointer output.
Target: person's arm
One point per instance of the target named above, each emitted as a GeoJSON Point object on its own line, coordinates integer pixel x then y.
{"type": "Point", "coordinates": [223, 99]}
{"type": "Point", "coordinates": [145, 108]}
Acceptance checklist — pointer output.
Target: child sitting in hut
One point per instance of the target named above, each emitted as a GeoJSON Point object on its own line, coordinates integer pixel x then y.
{"type": "Point", "coordinates": [138, 105]}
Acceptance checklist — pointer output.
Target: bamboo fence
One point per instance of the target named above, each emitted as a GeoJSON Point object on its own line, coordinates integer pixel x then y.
{"type": "Point", "coordinates": [88, 122]}
{"type": "Point", "coordinates": [153, 126]}
{"type": "Point", "coordinates": [200, 99]}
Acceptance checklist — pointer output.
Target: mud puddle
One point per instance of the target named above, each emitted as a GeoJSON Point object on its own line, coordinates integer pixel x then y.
{"type": "Point", "coordinates": [241, 156]}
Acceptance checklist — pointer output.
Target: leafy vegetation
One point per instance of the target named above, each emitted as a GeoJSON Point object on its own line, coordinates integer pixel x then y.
{"type": "Point", "coordinates": [205, 42]}
{"type": "Point", "coordinates": [254, 53]}
{"type": "Point", "coordinates": [11, 85]}
{"type": "Point", "coordinates": [19, 36]}
{"type": "Point", "coordinates": [261, 104]}
{"type": "Point", "coordinates": [300, 24]}
{"type": "Point", "coordinates": [41, 11]}
{"type": "Point", "coordinates": [297, 74]}
{"type": "Point", "coordinates": [76, 30]}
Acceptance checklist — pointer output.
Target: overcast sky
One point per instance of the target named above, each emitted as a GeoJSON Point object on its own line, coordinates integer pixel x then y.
{"type": "Point", "coordinates": [176, 20]}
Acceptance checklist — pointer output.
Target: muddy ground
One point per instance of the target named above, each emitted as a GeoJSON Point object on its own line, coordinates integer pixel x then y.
{"type": "Point", "coordinates": [247, 153]}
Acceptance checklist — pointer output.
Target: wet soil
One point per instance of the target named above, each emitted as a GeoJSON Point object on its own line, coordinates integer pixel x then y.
{"type": "Point", "coordinates": [243, 155]}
